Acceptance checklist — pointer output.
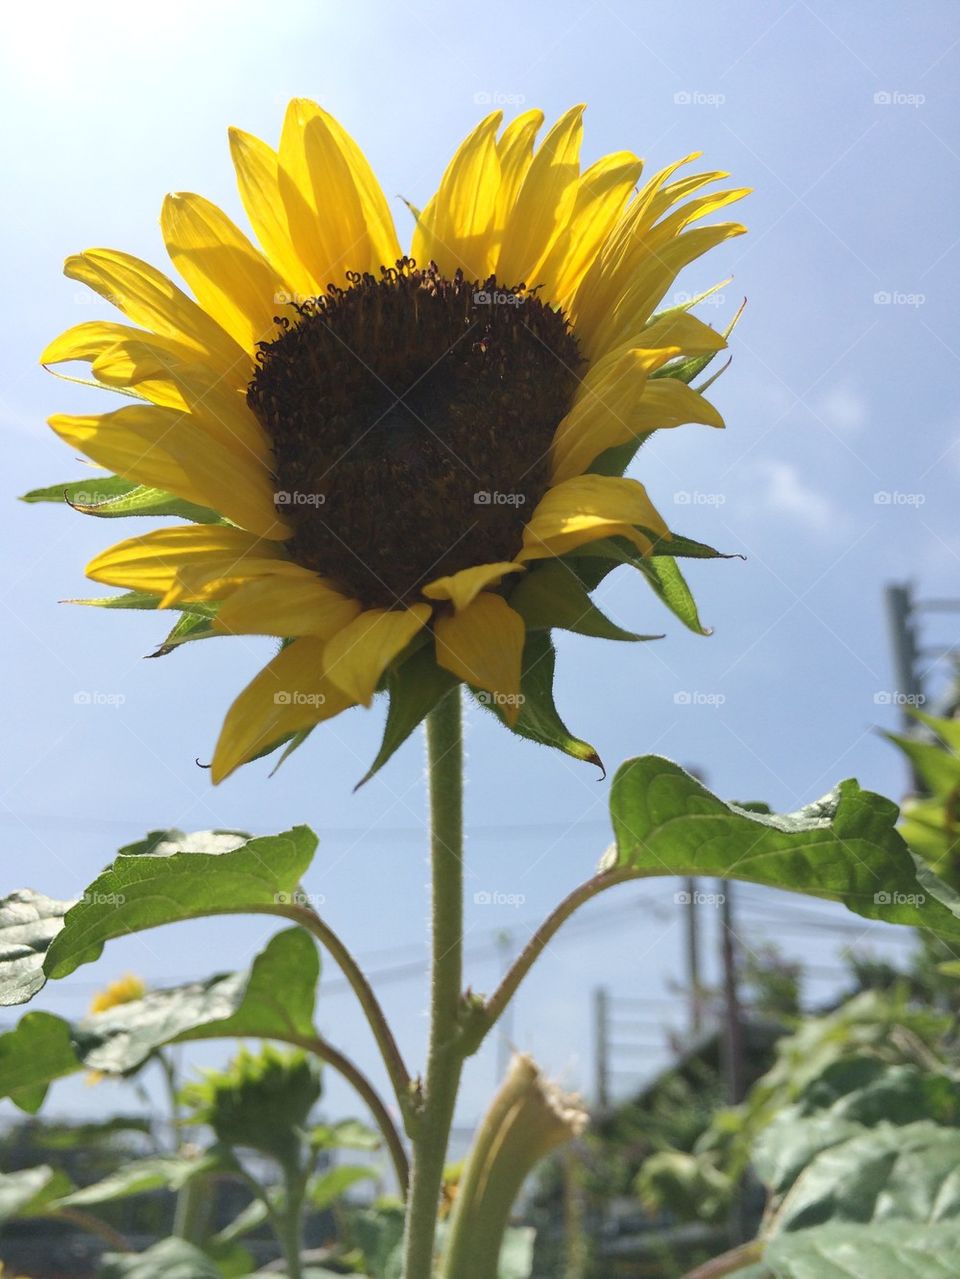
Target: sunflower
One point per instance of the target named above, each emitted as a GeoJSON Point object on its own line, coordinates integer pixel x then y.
{"type": "Point", "coordinates": [393, 461]}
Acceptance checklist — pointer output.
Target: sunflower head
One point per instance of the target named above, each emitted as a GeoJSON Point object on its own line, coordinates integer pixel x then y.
{"type": "Point", "coordinates": [405, 465]}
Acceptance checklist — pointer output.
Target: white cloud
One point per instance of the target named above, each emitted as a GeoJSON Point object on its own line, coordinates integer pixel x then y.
{"type": "Point", "coordinates": [843, 408]}
{"type": "Point", "coordinates": [780, 488]}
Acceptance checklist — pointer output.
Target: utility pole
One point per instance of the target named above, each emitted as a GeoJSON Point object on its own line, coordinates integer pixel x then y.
{"type": "Point", "coordinates": [692, 894]}
{"type": "Point", "coordinates": [601, 1016]}
{"type": "Point", "coordinates": [733, 1055]}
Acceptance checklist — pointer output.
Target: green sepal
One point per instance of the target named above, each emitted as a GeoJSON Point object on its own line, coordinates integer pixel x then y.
{"type": "Point", "coordinates": [414, 687]}
{"type": "Point", "coordinates": [661, 571]}
{"type": "Point", "coordinates": [189, 626]}
{"type": "Point", "coordinates": [552, 595]}
{"type": "Point", "coordinates": [539, 720]}
{"type": "Point", "coordinates": [112, 497]}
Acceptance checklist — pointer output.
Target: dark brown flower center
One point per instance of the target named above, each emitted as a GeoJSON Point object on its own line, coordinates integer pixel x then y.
{"type": "Point", "coordinates": [411, 419]}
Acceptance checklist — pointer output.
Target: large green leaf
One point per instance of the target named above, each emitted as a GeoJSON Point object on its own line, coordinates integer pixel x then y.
{"type": "Point", "coordinates": [539, 720]}
{"type": "Point", "coordinates": [843, 848]}
{"type": "Point", "coordinates": [169, 1259]}
{"type": "Point", "coordinates": [887, 1173]}
{"type": "Point", "coordinates": [180, 878]}
{"type": "Point", "coordinates": [330, 1186]}
{"type": "Point", "coordinates": [29, 921]}
{"type": "Point", "coordinates": [165, 1172]}
{"type": "Point", "coordinates": [273, 1000]}
{"type": "Point", "coordinates": [886, 1250]}
{"type": "Point", "coordinates": [37, 1052]}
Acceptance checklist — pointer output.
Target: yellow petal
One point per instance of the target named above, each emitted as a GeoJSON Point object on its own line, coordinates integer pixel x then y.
{"type": "Point", "coordinates": [173, 451]}
{"type": "Point", "coordinates": [358, 655]}
{"type": "Point", "coordinates": [544, 202]}
{"type": "Point", "coordinates": [156, 369]}
{"type": "Point", "coordinates": [291, 693]}
{"type": "Point", "coordinates": [483, 645]}
{"type": "Point", "coordinates": [600, 196]}
{"type": "Point", "coordinates": [149, 298]}
{"type": "Point", "coordinates": [153, 561]}
{"type": "Point", "coordinates": [515, 153]}
{"type": "Point", "coordinates": [230, 279]}
{"type": "Point", "coordinates": [258, 180]}
{"type": "Point", "coordinates": [586, 508]}
{"type": "Point", "coordinates": [603, 412]}
{"type": "Point", "coordinates": [90, 339]}
{"type": "Point", "coordinates": [682, 330]}
{"type": "Point", "coordinates": [286, 607]}
{"type": "Point", "coordinates": [462, 588]}
{"type": "Point", "coordinates": [455, 229]}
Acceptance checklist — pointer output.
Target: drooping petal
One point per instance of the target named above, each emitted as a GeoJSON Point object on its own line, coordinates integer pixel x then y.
{"type": "Point", "coordinates": [455, 229]}
{"type": "Point", "coordinates": [286, 607]}
{"type": "Point", "coordinates": [231, 280]}
{"type": "Point", "coordinates": [462, 588]}
{"type": "Point", "coordinates": [483, 645]}
{"type": "Point", "coordinates": [145, 294]}
{"type": "Point", "coordinates": [173, 451]}
{"type": "Point", "coordinates": [291, 693]}
{"type": "Point", "coordinates": [92, 338]}
{"type": "Point", "coordinates": [358, 655]}
{"type": "Point", "coordinates": [544, 202]}
{"type": "Point", "coordinates": [154, 561]}
{"type": "Point", "coordinates": [586, 508]}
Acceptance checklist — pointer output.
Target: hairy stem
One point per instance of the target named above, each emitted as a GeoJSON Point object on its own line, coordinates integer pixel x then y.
{"type": "Point", "coordinates": [729, 1262]}
{"type": "Point", "coordinates": [445, 1052]}
{"type": "Point", "coordinates": [392, 1058]}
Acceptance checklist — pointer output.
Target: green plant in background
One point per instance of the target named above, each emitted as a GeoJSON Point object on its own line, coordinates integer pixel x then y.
{"type": "Point", "coordinates": [510, 367]}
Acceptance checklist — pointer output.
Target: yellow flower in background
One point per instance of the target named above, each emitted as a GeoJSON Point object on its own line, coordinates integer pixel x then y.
{"type": "Point", "coordinates": [125, 990]}
{"type": "Point", "coordinates": [378, 446]}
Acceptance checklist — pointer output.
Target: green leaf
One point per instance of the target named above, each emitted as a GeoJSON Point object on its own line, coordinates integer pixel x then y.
{"type": "Point", "coordinates": [669, 584]}
{"type": "Point", "coordinates": [38, 1051]}
{"type": "Point", "coordinates": [273, 1000]}
{"type": "Point", "coordinates": [552, 595]}
{"type": "Point", "coordinates": [661, 571]}
{"type": "Point", "coordinates": [30, 1191]}
{"type": "Point", "coordinates": [881, 1250]}
{"type": "Point", "coordinates": [328, 1187]}
{"type": "Point", "coordinates": [169, 1259]}
{"type": "Point", "coordinates": [170, 1172]}
{"type": "Point", "coordinates": [29, 921]}
{"type": "Point", "coordinates": [209, 873]}
{"type": "Point", "coordinates": [415, 687]}
{"type": "Point", "coordinates": [349, 1134]}
{"type": "Point", "coordinates": [109, 496]}
{"type": "Point", "coordinates": [249, 1218]}
{"type": "Point", "coordinates": [843, 848]}
{"type": "Point", "coordinates": [539, 720]}
{"type": "Point", "coordinates": [938, 768]}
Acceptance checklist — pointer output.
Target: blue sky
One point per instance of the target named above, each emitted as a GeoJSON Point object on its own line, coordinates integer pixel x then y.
{"type": "Point", "coordinates": [843, 387]}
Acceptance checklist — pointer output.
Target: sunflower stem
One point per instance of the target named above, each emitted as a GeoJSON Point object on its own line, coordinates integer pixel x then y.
{"type": "Point", "coordinates": [445, 1052]}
